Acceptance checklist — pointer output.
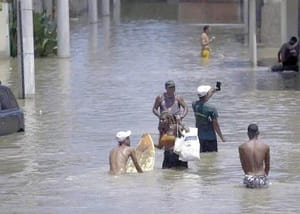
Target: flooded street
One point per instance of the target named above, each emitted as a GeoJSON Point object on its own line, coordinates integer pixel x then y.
{"type": "Point", "coordinates": [116, 69]}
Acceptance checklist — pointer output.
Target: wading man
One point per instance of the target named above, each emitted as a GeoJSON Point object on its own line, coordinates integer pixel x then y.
{"type": "Point", "coordinates": [119, 155]}
{"type": "Point", "coordinates": [255, 159]}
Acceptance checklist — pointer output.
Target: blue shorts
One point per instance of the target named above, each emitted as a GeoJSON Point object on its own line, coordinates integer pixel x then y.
{"type": "Point", "coordinates": [256, 181]}
{"type": "Point", "coordinates": [208, 145]}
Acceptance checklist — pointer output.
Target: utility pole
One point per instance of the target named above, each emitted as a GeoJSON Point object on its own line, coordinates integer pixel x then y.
{"type": "Point", "coordinates": [116, 11]}
{"type": "Point", "coordinates": [26, 48]}
{"type": "Point", "coordinates": [246, 20]}
{"type": "Point", "coordinates": [105, 8]}
{"type": "Point", "coordinates": [93, 11]}
{"type": "Point", "coordinates": [63, 29]}
{"type": "Point", "coordinates": [252, 33]}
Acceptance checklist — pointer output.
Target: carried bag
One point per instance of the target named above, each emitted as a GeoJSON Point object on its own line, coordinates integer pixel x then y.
{"type": "Point", "coordinates": [188, 146]}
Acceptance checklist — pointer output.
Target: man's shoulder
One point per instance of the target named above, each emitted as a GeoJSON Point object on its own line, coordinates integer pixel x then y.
{"type": "Point", "coordinates": [159, 97]}
{"type": "Point", "coordinates": [113, 150]}
{"type": "Point", "coordinates": [243, 145]}
{"type": "Point", "coordinates": [128, 150]}
{"type": "Point", "coordinates": [178, 97]}
{"type": "Point", "coordinates": [265, 145]}
{"type": "Point", "coordinates": [197, 103]}
{"type": "Point", "coordinates": [210, 106]}
{"type": "Point", "coordinates": [285, 46]}
{"type": "Point", "coordinates": [203, 34]}
{"type": "Point", "coordinates": [262, 143]}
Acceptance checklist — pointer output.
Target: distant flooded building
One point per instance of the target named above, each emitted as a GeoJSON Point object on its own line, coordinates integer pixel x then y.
{"type": "Point", "coordinates": [268, 14]}
{"type": "Point", "coordinates": [215, 11]}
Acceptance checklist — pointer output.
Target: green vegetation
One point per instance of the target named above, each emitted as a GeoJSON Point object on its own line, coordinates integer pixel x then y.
{"type": "Point", "coordinates": [45, 38]}
{"type": "Point", "coordinates": [45, 42]}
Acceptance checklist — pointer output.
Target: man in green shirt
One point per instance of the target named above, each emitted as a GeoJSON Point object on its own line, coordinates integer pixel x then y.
{"type": "Point", "coordinates": [206, 116]}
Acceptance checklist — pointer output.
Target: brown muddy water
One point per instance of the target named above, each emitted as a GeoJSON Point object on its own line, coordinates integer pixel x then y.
{"type": "Point", "coordinates": [116, 69]}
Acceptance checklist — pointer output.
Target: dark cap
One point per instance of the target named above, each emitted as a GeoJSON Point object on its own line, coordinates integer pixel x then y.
{"type": "Point", "coordinates": [293, 40]}
{"type": "Point", "coordinates": [170, 84]}
{"type": "Point", "coordinates": [253, 128]}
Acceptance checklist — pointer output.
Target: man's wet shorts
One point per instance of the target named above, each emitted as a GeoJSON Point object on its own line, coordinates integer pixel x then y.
{"type": "Point", "coordinates": [171, 160]}
{"type": "Point", "coordinates": [256, 181]}
{"type": "Point", "coordinates": [205, 53]}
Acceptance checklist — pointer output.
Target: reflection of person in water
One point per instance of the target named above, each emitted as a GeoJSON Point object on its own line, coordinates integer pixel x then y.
{"type": "Point", "coordinates": [287, 56]}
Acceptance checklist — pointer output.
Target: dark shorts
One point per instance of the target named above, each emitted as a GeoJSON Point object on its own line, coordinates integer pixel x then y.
{"type": "Point", "coordinates": [171, 160]}
{"type": "Point", "coordinates": [208, 146]}
{"type": "Point", "coordinates": [286, 67]}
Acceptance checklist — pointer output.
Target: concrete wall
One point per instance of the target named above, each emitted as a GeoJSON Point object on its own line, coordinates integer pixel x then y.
{"type": "Point", "coordinates": [270, 24]}
{"type": "Point", "coordinates": [271, 35]}
{"type": "Point", "coordinates": [77, 7]}
{"type": "Point", "coordinates": [276, 29]}
{"type": "Point", "coordinates": [4, 30]}
{"type": "Point", "coordinates": [210, 12]}
{"type": "Point", "coordinates": [292, 22]}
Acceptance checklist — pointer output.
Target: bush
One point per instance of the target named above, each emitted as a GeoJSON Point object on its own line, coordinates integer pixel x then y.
{"type": "Point", "coordinates": [45, 37]}
{"type": "Point", "coordinates": [44, 31]}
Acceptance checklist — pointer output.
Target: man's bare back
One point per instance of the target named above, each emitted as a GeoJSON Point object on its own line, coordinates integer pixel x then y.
{"type": "Point", "coordinates": [119, 156]}
{"type": "Point", "coordinates": [118, 159]}
{"type": "Point", "coordinates": [255, 157]}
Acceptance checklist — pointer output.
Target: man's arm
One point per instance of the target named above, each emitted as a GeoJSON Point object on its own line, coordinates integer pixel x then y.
{"type": "Point", "coordinates": [242, 159]}
{"type": "Point", "coordinates": [156, 106]}
{"type": "Point", "coordinates": [217, 129]}
{"type": "Point", "coordinates": [278, 56]}
{"type": "Point", "coordinates": [211, 92]}
{"type": "Point", "coordinates": [184, 106]}
{"type": "Point", "coordinates": [159, 145]}
{"type": "Point", "coordinates": [281, 53]}
{"type": "Point", "coordinates": [267, 161]}
{"type": "Point", "coordinates": [135, 162]}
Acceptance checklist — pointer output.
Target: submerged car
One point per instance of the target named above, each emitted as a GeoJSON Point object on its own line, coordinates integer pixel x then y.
{"type": "Point", "coordinates": [11, 116]}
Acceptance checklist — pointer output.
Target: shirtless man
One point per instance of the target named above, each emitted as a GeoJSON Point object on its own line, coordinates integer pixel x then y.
{"type": "Point", "coordinates": [118, 156]}
{"type": "Point", "coordinates": [205, 41]}
{"type": "Point", "coordinates": [170, 102]}
{"type": "Point", "coordinates": [255, 159]}
{"type": "Point", "coordinates": [287, 56]}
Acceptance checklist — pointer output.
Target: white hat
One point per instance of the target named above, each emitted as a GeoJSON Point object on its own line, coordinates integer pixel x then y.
{"type": "Point", "coordinates": [122, 135]}
{"type": "Point", "coordinates": [203, 90]}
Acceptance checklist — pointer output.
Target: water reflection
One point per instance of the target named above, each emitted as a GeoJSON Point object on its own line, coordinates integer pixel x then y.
{"type": "Point", "coordinates": [106, 34]}
{"type": "Point", "coordinates": [5, 70]}
{"type": "Point", "coordinates": [116, 11]}
{"type": "Point", "coordinates": [278, 81]}
{"type": "Point", "coordinates": [93, 41]}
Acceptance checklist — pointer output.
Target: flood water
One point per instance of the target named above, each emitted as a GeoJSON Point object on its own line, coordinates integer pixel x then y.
{"type": "Point", "coordinates": [116, 69]}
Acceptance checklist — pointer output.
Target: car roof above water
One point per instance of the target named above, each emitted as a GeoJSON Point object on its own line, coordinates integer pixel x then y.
{"type": "Point", "coordinates": [7, 98]}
